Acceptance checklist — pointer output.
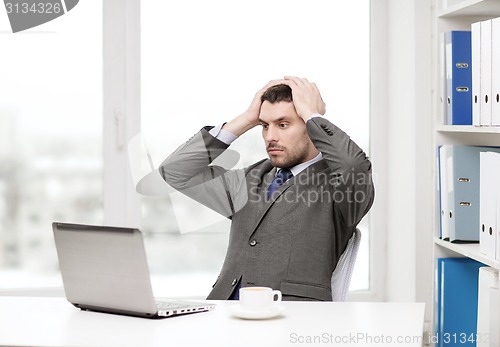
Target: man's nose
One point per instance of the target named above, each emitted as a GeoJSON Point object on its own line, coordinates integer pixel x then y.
{"type": "Point", "coordinates": [271, 134]}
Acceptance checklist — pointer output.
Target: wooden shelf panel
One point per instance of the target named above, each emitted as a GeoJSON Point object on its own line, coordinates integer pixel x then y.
{"type": "Point", "coordinates": [469, 250]}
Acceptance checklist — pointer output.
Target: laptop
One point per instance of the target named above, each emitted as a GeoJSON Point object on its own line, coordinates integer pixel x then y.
{"type": "Point", "coordinates": [105, 269]}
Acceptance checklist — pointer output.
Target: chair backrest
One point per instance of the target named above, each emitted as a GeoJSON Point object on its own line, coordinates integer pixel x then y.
{"type": "Point", "coordinates": [341, 276]}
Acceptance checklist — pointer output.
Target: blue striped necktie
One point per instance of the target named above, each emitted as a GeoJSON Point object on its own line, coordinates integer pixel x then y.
{"type": "Point", "coordinates": [282, 176]}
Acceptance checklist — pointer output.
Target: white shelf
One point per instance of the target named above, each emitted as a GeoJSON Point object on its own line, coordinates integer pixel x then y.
{"type": "Point", "coordinates": [486, 8]}
{"type": "Point", "coordinates": [469, 250]}
{"type": "Point", "coordinates": [467, 129]}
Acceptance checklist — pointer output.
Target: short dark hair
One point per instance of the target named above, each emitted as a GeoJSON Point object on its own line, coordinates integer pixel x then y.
{"type": "Point", "coordinates": [277, 93]}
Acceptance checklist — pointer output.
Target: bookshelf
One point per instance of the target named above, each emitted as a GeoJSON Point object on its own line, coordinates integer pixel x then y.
{"type": "Point", "coordinates": [467, 129]}
{"type": "Point", "coordinates": [458, 16]}
{"type": "Point", "coordinates": [469, 250]}
{"type": "Point", "coordinates": [470, 8]}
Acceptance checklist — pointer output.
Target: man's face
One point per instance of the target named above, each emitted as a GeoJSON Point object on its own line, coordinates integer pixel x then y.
{"type": "Point", "coordinates": [285, 135]}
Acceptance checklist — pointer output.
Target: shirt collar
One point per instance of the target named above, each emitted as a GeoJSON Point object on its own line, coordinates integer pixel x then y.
{"type": "Point", "coordinates": [302, 166]}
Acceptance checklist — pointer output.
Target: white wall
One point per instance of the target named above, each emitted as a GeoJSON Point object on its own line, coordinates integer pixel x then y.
{"type": "Point", "coordinates": [409, 152]}
{"type": "Point", "coordinates": [400, 154]}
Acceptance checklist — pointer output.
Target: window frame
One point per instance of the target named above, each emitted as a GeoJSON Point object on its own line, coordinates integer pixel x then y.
{"type": "Point", "coordinates": [121, 109]}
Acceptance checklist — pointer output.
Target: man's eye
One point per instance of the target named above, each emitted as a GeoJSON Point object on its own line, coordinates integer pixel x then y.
{"type": "Point", "coordinates": [264, 126]}
{"type": "Point", "coordinates": [283, 125]}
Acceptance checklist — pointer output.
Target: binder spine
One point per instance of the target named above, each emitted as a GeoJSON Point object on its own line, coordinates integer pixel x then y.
{"type": "Point", "coordinates": [459, 77]}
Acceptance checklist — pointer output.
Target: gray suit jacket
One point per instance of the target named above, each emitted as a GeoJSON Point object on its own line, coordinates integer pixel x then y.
{"type": "Point", "coordinates": [292, 242]}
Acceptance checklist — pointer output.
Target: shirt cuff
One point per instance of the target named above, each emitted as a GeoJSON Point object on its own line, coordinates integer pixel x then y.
{"type": "Point", "coordinates": [313, 116]}
{"type": "Point", "coordinates": [222, 134]}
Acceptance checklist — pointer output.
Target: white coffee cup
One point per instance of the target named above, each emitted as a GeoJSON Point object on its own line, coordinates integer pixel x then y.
{"type": "Point", "coordinates": [259, 298]}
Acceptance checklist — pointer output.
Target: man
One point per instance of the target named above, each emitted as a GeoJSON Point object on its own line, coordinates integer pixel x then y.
{"type": "Point", "coordinates": [292, 214]}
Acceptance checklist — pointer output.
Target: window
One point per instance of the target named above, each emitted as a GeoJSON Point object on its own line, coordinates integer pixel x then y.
{"type": "Point", "coordinates": [50, 139]}
{"type": "Point", "coordinates": [201, 64]}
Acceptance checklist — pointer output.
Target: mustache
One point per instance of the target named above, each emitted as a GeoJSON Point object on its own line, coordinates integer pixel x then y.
{"type": "Point", "coordinates": [274, 146]}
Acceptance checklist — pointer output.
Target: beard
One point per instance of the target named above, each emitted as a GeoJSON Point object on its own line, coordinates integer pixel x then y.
{"type": "Point", "coordinates": [289, 157]}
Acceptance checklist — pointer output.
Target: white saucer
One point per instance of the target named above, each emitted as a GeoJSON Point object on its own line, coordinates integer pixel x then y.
{"type": "Point", "coordinates": [273, 311]}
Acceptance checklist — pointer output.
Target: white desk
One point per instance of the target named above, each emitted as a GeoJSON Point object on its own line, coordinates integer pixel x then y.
{"type": "Point", "coordinates": [27, 321]}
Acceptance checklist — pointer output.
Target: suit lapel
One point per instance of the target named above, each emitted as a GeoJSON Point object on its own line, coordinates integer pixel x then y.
{"type": "Point", "coordinates": [264, 204]}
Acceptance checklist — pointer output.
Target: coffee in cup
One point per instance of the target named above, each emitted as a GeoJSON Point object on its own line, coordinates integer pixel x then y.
{"type": "Point", "coordinates": [259, 298]}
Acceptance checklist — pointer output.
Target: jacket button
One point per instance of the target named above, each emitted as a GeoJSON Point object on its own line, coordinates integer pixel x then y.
{"type": "Point", "coordinates": [253, 243]}
{"type": "Point", "coordinates": [234, 282]}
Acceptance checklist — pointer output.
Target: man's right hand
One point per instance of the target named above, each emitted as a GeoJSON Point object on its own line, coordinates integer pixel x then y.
{"type": "Point", "coordinates": [250, 118]}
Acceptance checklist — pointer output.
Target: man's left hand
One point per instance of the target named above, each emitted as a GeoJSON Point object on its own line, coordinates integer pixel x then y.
{"type": "Point", "coordinates": [306, 97]}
